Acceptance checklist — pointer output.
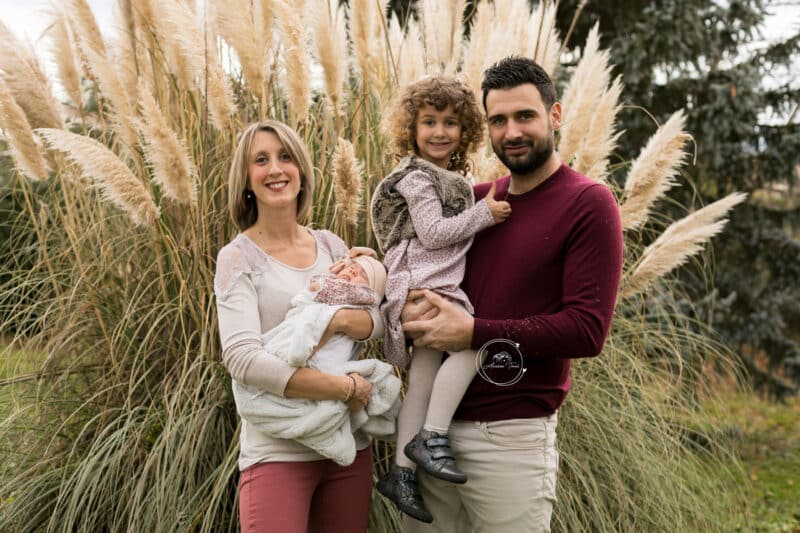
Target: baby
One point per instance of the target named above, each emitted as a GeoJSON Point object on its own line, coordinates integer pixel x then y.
{"type": "Point", "coordinates": [361, 283]}
{"type": "Point", "coordinates": [326, 426]}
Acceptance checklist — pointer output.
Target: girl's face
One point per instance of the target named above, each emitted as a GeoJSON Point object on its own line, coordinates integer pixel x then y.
{"type": "Point", "coordinates": [438, 134]}
{"type": "Point", "coordinates": [272, 175]}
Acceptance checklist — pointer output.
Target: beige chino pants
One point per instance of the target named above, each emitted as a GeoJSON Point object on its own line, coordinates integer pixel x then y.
{"type": "Point", "coordinates": [512, 467]}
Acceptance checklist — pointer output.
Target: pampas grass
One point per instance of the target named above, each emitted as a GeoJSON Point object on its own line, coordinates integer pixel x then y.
{"type": "Point", "coordinates": [115, 93]}
{"type": "Point", "coordinates": [133, 427]}
{"type": "Point", "coordinates": [116, 180]}
{"type": "Point", "coordinates": [295, 58]}
{"type": "Point", "coordinates": [63, 50]}
{"type": "Point", "coordinates": [330, 46]}
{"type": "Point", "coordinates": [181, 38]}
{"type": "Point", "coordinates": [348, 178]}
{"type": "Point", "coordinates": [652, 173]}
{"type": "Point", "coordinates": [581, 98]}
{"type": "Point", "coordinates": [26, 81]}
{"type": "Point", "coordinates": [173, 169]}
{"type": "Point", "coordinates": [544, 45]}
{"type": "Point", "coordinates": [442, 28]}
{"type": "Point", "coordinates": [601, 139]}
{"type": "Point", "coordinates": [86, 25]}
{"type": "Point", "coordinates": [679, 242]}
{"type": "Point", "coordinates": [362, 28]}
{"type": "Point", "coordinates": [24, 151]}
{"type": "Point", "coordinates": [241, 26]}
{"type": "Point", "coordinates": [412, 66]}
{"type": "Point", "coordinates": [487, 167]}
{"type": "Point", "coordinates": [475, 56]}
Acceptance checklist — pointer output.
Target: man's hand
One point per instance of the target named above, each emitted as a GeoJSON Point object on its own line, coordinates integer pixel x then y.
{"type": "Point", "coordinates": [449, 330]}
{"type": "Point", "coordinates": [417, 307]}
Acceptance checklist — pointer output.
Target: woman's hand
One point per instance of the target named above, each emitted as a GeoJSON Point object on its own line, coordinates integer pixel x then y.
{"type": "Point", "coordinates": [361, 392]}
{"type": "Point", "coordinates": [354, 252]}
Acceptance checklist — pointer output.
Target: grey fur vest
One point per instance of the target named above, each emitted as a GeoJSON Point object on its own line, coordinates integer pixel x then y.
{"type": "Point", "coordinates": [391, 220]}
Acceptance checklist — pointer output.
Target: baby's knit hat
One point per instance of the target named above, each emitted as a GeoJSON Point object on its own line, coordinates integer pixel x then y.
{"type": "Point", "coordinates": [376, 273]}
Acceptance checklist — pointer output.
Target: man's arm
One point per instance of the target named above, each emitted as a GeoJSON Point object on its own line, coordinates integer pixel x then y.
{"type": "Point", "coordinates": [591, 275]}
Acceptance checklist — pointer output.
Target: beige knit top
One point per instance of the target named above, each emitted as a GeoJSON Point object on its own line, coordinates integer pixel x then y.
{"type": "Point", "coordinates": [253, 292]}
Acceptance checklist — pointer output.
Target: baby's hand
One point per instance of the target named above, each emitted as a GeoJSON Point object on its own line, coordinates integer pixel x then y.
{"type": "Point", "coordinates": [313, 286]}
{"type": "Point", "coordinates": [500, 210]}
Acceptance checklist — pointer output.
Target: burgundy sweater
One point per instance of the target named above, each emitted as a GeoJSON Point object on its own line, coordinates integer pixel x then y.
{"type": "Point", "coordinates": [546, 278]}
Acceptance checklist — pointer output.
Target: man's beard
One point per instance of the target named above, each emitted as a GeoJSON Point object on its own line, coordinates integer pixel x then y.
{"type": "Point", "coordinates": [537, 156]}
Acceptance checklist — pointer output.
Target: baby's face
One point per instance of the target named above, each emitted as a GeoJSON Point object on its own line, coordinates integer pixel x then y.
{"type": "Point", "coordinates": [353, 273]}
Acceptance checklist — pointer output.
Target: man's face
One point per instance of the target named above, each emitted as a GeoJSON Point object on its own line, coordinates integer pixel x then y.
{"type": "Point", "coordinates": [521, 127]}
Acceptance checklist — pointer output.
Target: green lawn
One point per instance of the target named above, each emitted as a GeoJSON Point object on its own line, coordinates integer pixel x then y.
{"type": "Point", "coordinates": [17, 393]}
{"type": "Point", "coordinates": [767, 439]}
{"type": "Point", "coordinates": [16, 364]}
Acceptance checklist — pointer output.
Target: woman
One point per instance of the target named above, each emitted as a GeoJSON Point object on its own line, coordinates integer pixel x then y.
{"type": "Point", "coordinates": [285, 486]}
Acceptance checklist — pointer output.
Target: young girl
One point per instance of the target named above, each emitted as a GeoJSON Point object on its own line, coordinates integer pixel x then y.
{"type": "Point", "coordinates": [424, 217]}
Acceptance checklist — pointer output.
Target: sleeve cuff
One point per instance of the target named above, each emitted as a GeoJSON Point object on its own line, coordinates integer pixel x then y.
{"type": "Point", "coordinates": [482, 332]}
{"type": "Point", "coordinates": [377, 324]}
{"type": "Point", "coordinates": [488, 219]}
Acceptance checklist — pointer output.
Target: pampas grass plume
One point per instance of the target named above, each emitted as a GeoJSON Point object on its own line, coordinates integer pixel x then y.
{"type": "Point", "coordinates": [116, 181]}
{"type": "Point", "coordinates": [581, 97]}
{"type": "Point", "coordinates": [487, 167]}
{"type": "Point", "coordinates": [172, 167]}
{"type": "Point", "coordinates": [348, 174]}
{"type": "Point", "coordinates": [63, 51]}
{"type": "Point", "coordinates": [473, 66]}
{"type": "Point", "coordinates": [652, 173]}
{"type": "Point", "coordinates": [237, 24]}
{"type": "Point", "coordinates": [679, 242]}
{"type": "Point", "coordinates": [24, 150]}
{"type": "Point", "coordinates": [114, 92]}
{"type": "Point", "coordinates": [330, 38]}
{"type": "Point", "coordinates": [411, 56]}
{"type": "Point", "coordinates": [87, 26]}
{"type": "Point", "coordinates": [26, 81]}
{"type": "Point", "coordinates": [296, 61]}
{"type": "Point", "coordinates": [600, 140]}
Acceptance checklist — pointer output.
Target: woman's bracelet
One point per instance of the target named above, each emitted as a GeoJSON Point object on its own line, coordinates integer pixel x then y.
{"type": "Point", "coordinates": [351, 390]}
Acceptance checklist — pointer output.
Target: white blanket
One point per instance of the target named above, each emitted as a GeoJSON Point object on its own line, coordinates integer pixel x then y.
{"type": "Point", "coordinates": [325, 426]}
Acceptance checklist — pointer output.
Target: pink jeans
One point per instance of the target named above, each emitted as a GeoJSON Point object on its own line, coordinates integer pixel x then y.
{"type": "Point", "coordinates": [306, 497]}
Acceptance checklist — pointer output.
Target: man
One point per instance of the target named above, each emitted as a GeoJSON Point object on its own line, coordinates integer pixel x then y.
{"type": "Point", "coordinates": [543, 284]}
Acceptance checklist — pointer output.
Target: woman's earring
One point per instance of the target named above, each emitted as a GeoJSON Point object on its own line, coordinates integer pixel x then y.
{"type": "Point", "coordinates": [248, 194]}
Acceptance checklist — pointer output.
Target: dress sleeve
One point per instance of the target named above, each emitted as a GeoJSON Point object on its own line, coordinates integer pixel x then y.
{"type": "Point", "coordinates": [592, 269]}
{"type": "Point", "coordinates": [425, 207]}
{"type": "Point", "coordinates": [341, 292]}
{"type": "Point", "coordinates": [243, 353]}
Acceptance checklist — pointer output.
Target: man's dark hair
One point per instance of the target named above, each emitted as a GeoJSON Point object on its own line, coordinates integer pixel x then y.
{"type": "Point", "coordinates": [514, 71]}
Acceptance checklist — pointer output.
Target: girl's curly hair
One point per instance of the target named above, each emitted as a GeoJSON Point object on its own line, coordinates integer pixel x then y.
{"type": "Point", "coordinates": [439, 92]}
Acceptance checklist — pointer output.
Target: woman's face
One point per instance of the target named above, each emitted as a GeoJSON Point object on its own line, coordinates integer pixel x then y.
{"type": "Point", "coordinates": [272, 175]}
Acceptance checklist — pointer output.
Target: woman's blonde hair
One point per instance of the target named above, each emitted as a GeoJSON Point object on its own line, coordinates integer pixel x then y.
{"type": "Point", "coordinates": [244, 211]}
{"type": "Point", "coordinates": [400, 124]}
